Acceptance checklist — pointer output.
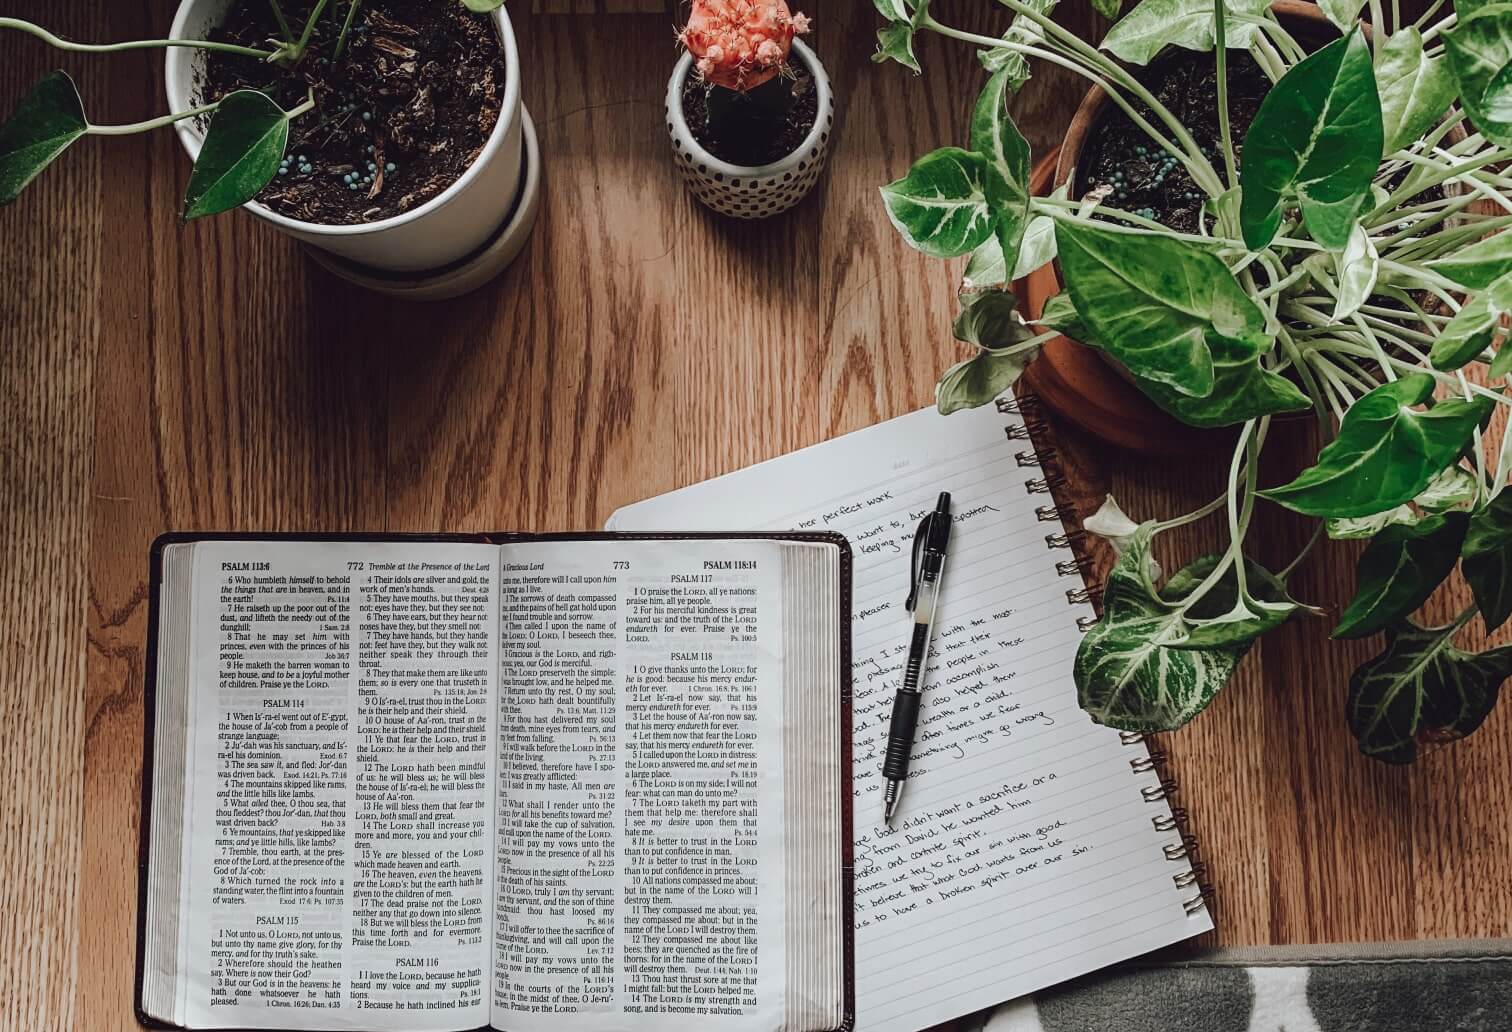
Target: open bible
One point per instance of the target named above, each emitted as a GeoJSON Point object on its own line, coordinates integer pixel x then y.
{"type": "Point", "coordinates": [556, 783]}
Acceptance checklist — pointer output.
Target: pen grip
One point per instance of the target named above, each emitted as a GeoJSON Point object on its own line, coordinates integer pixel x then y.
{"type": "Point", "coordinates": [900, 733]}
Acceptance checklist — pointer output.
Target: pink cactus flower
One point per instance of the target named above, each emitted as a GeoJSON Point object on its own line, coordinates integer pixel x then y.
{"type": "Point", "coordinates": [740, 44]}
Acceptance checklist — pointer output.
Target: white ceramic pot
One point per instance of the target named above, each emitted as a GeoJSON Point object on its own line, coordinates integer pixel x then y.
{"type": "Point", "coordinates": [444, 229]}
{"type": "Point", "coordinates": [751, 191]}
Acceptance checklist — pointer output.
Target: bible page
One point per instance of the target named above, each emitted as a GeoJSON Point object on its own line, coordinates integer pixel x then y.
{"type": "Point", "coordinates": [640, 799]}
{"type": "Point", "coordinates": [1024, 852]}
{"type": "Point", "coordinates": [338, 858]}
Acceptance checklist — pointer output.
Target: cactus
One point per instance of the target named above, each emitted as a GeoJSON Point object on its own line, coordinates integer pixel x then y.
{"type": "Point", "coordinates": [740, 44]}
{"type": "Point", "coordinates": [740, 51]}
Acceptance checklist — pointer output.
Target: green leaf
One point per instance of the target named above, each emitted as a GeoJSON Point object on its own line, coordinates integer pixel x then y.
{"type": "Point", "coordinates": [1127, 675]}
{"type": "Point", "coordinates": [1474, 328]}
{"type": "Point", "coordinates": [47, 120]}
{"type": "Point", "coordinates": [895, 43]}
{"type": "Point", "coordinates": [1454, 488]}
{"type": "Point", "coordinates": [996, 138]}
{"type": "Point", "coordinates": [1317, 137]}
{"type": "Point", "coordinates": [1224, 616]}
{"type": "Point", "coordinates": [1415, 90]}
{"type": "Point", "coordinates": [1502, 364]}
{"type": "Point", "coordinates": [247, 136]}
{"type": "Point", "coordinates": [1357, 528]}
{"type": "Point", "coordinates": [1488, 559]}
{"type": "Point", "coordinates": [1242, 389]}
{"type": "Point", "coordinates": [990, 319]}
{"type": "Point", "coordinates": [1107, 8]}
{"type": "Point", "coordinates": [1059, 314]}
{"type": "Point", "coordinates": [1479, 50]}
{"type": "Point", "coordinates": [1002, 59]}
{"type": "Point", "coordinates": [979, 381]}
{"type": "Point", "coordinates": [1399, 570]}
{"type": "Point", "coordinates": [1386, 451]}
{"type": "Point", "coordinates": [1150, 27]}
{"type": "Point", "coordinates": [1038, 246]}
{"type": "Point", "coordinates": [483, 6]}
{"type": "Point", "coordinates": [1422, 690]}
{"type": "Point", "coordinates": [985, 267]}
{"type": "Point", "coordinates": [1342, 13]}
{"type": "Point", "coordinates": [895, 39]}
{"type": "Point", "coordinates": [1020, 31]}
{"type": "Point", "coordinates": [941, 206]}
{"type": "Point", "coordinates": [1158, 304]}
{"type": "Point", "coordinates": [1357, 268]}
{"type": "Point", "coordinates": [1479, 265]}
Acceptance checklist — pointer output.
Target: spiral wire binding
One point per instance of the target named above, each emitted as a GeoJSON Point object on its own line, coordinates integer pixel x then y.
{"type": "Point", "coordinates": [1048, 484]}
{"type": "Point", "coordinates": [1030, 411]}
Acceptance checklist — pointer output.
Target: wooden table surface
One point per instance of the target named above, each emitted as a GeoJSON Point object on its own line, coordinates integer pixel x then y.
{"type": "Point", "coordinates": [154, 377]}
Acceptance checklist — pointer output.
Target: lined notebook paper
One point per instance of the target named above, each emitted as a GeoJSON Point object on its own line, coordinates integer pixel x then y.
{"type": "Point", "coordinates": [1033, 844]}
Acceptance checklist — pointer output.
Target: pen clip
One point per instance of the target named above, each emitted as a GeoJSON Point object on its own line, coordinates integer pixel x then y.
{"type": "Point", "coordinates": [921, 538]}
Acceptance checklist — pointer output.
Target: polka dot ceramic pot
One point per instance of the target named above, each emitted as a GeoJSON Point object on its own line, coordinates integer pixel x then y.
{"type": "Point", "coordinates": [751, 191]}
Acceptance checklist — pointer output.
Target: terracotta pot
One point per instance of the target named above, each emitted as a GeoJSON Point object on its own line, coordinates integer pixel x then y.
{"type": "Point", "coordinates": [1081, 384]}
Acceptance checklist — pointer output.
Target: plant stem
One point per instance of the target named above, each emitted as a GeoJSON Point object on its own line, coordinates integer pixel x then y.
{"type": "Point", "coordinates": [151, 123]}
{"type": "Point", "coordinates": [1412, 189]}
{"type": "Point", "coordinates": [1448, 22]}
{"type": "Point", "coordinates": [1503, 463]}
{"type": "Point", "coordinates": [1241, 453]}
{"type": "Point", "coordinates": [1427, 277]}
{"type": "Point", "coordinates": [1236, 534]}
{"type": "Point", "coordinates": [140, 44]}
{"type": "Point", "coordinates": [1416, 228]}
{"type": "Point", "coordinates": [1421, 366]}
{"type": "Point", "coordinates": [1291, 567]}
{"type": "Point", "coordinates": [1295, 52]}
{"type": "Point", "coordinates": [1279, 285]}
{"type": "Point", "coordinates": [1347, 365]}
{"type": "Point", "coordinates": [283, 23]}
{"type": "Point", "coordinates": [1193, 516]}
{"type": "Point", "coordinates": [346, 27]}
{"type": "Point", "coordinates": [1314, 389]}
{"type": "Point", "coordinates": [305, 105]}
{"type": "Point", "coordinates": [1220, 50]}
{"type": "Point", "coordinates": [1331, 391]}
{"type": "Point", "coordinates": [1433, 9]}
{"type": "Point", "coordinates": [1448, 239]}
{"type": "Point", "coordinates": [309, 29]}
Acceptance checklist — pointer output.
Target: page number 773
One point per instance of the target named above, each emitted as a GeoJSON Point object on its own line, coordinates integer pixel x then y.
{"type": "Point", "coordinates": [621, 564]}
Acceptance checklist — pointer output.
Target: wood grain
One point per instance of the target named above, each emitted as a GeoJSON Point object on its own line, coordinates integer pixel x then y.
{"type": "Point", "coordinates": [155, 377]}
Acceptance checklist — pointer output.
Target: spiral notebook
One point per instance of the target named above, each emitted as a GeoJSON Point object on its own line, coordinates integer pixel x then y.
{"type": "Point", "coordinates": [1033, 845]}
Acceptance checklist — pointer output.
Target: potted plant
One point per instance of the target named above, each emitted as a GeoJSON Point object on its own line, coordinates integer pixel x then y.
{"type": "Point", "coordinates": [749, 124]}
{"type": "Point", "coordinates": [1103, 146]}
{"type": "Point", "coordinates": [386, 131]}
{"type": "Point", "coordinates": [1300, 286]}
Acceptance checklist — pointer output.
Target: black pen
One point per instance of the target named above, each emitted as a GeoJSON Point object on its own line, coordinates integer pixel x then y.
{"type": "Point", "coordinates": [926, 570]}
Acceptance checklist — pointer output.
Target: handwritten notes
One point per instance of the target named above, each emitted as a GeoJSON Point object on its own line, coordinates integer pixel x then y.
{"type": "Point", "coordinates": [1025, 853]}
